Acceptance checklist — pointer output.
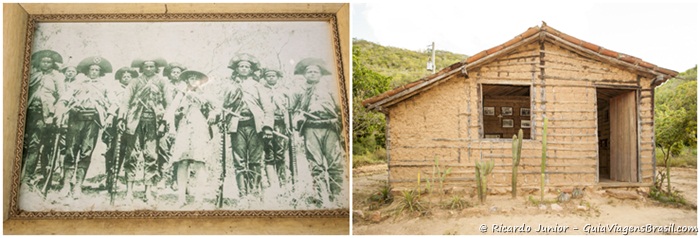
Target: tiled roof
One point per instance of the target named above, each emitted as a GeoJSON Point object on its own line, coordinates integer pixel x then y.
{"type": "Point", "coordinates": [621, 58]}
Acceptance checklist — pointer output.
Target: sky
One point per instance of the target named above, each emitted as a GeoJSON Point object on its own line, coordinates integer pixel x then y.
{"type": "Point", "coordinates": [663, 33]}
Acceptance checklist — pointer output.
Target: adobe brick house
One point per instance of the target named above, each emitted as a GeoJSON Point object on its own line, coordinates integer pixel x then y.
{"type": "Point", "coordinates": [599, 104]}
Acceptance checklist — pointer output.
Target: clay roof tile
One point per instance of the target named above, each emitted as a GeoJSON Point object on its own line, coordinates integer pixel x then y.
{"type": "Point", "coordinates": [609, 53]}
{"type": "Point", "coordinates": [630, 59]}
{"type": "Point", "coordinates": [591, 46]}
{"type": "Point", "coordinates": [530, 31]}
{"type": "Point", "coordinates": [476, 57]}
{"type": "Point", "coordinates": [647, 65]}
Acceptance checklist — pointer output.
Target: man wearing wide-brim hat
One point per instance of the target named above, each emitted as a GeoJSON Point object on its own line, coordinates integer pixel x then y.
{"type": "Point", "coordinates": [142, 109]}
{"type": "Point", "coordinates": [317, 117]}
{"type": "Point", "coordinates": [276, 149]}
{"type": "Point", "coordinates": [122, 78]}
{"type": "Point", "coordinates": [253, 120]}
{"type": "Point", "coordinates": [87, 105]}
{"type": "Point", "coordinates": [172, 72]}
{"type": "Point", "coordinates": [244, 66]}
{"type": "Point", "coordinates": [46, 85]}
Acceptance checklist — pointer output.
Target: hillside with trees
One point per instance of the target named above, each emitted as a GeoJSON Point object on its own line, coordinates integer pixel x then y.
{"type": "Point", "coordinates": [675, 112]}
{"type": "Point", "coordinates": [401, 65]}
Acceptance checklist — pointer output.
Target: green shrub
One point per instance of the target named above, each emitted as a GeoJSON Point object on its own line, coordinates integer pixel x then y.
{"type": "Point", "coordinates": [380, 198]}
{"type": "Point", "coordinates": [377, 156]}
{"type": "Point", "coordinates": [674, 198]}
{"type": "Point", "coordinates": [411, 202]}
{"type": "Point", "coordinates": [456, 202]}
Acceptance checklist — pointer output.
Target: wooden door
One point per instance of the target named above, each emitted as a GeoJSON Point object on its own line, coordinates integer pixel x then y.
{"type": "Point", "coordinates": [623, 137]}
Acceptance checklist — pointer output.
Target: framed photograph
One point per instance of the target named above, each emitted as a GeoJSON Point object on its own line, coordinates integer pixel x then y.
{"type": "Point", "coordinates": [489, 111]}
{"type": "Point", "coordinates": [492, 135]}
{"type": "Point", "coordinates": [507, 123]}
{"type": "Point", "coordinates": [524, 123]}
{"type": "Point", "coordinates": [525, 112]}
{"type": "Point", "coordinates": [506, 111]}
{"type": "Point", "coordinates": [182, 115]}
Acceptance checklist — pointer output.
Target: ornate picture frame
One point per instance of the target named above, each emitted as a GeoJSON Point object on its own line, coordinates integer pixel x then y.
{"type": "Point", "coordinates": [328, 67]}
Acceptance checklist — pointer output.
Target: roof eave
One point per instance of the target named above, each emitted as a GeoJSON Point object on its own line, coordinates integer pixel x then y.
{"type": "Point", "coordinates": [398, 94]}
{"type": "Point", "coordinates": [660, 74]}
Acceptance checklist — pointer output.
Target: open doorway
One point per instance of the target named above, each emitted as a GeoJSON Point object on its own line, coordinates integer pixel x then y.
{"type": "Point", "coordinates": [617, 135]}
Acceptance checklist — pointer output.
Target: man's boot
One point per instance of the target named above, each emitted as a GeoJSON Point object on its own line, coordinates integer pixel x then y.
{"type": "Point", "coordinates": [256, 180]}
{"type": "Point", "coordinates": [240, 181]}
{"type": "Point", "coordinates": [78, 187]}
{"type": "Point", "coordinates": [67, 177]}
{"type": "Point", "coordinates": [150, 199]}
{"type": "Point", "coordinates": [130, 191]}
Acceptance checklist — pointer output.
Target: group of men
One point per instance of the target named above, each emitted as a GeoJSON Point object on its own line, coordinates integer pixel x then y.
{"type": "Point", "coordinates": [148, 121]}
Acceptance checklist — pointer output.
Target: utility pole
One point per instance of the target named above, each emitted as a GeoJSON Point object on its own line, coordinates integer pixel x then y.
{"type": "Point", "coordinates": [432, 58]}
{"type": "Point", "coordinates": [431, 62]}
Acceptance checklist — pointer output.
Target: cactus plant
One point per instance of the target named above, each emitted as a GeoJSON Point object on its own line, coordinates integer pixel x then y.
{"type": "Point", "coordinates": [577, 193]}
{"type": "Point", "coordinates": [517, 149]}
{"type": "Point", "coordinates": [419, 188]}
{"type": "Point", "coordinates": [441, 176]}
{"type": "Point", "coordinates": [483, 169]}
{"type": "Point", "coordinates": [544, 158]}
{"type": "Point", "coordinates": [563, 196]}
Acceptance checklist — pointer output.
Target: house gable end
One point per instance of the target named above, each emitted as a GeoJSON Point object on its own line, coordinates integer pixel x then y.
{"type": "Point", "coordinates": [543, 33]}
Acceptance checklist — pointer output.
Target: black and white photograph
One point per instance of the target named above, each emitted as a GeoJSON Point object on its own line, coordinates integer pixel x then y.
{"type": "Point", "coordinates": [524, 123]}
{"type": "Point", "coordinates": [489, 111]}
{"type": "Point", "coordinates": [184, 116]}
{"type": "Point", "coordinates": [524, 112]}
{"type": "Point", "coordinates": [507, 123]}
{"type": "Point", "coordinates": [506, 111]}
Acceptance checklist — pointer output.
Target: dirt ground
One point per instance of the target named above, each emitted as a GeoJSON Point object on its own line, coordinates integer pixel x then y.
{"type": "Point", "coordinates": [598, 212]}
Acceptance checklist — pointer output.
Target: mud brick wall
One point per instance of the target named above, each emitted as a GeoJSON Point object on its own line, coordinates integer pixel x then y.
{"type": "Point", "coordinates": [445, 122]}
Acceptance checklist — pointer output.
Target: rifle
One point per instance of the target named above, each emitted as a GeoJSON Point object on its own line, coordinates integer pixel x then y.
{"type": "Point", "coordinates": [54, 158]}
{"type": "Point", "coordinates": [116, 164]}
{"type": "Point", "coordinates": [220, 195]}
{"type": "Point", "coordinates": [292, 155]}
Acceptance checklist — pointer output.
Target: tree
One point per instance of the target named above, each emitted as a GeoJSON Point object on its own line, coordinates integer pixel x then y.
{"type": "Point", "coordinates": [676, 116]}
{"type": "Point", "coordinates": [368, 126]}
